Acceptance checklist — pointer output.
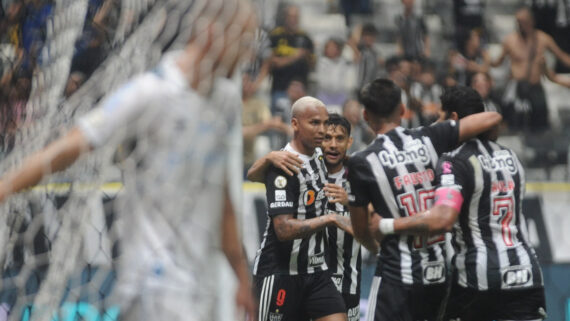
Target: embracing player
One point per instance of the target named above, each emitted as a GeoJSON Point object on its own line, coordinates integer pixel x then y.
{"type": "Point", "coordinates": [396, 174]}
{"type": "Point", "coordinates": [496, 275]}
{"type": "Point", "coordinates": [291, 277]}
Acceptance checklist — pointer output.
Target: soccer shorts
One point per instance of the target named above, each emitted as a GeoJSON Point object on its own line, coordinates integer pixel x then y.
{"type": "Point", "coordinates": [297, 297]}
{"type": "Point", "coordinates": [393, 301]}
{"type": "Point", "coordinates": [472, 305]}
{"type": "Point", "coordinates": [352, 303]}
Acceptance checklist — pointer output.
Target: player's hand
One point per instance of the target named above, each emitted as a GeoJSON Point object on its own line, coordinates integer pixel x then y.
{"type": "Point", "coordinates": [336, 194]}
{"type": "Point", "coordinates": [343, 223]}
{"type": "Point", "coordinates": [373, 227]}
{"type": "Point", "coordinates": [288, 162]}
{"type": "Point", "coordinates": [245, 301]}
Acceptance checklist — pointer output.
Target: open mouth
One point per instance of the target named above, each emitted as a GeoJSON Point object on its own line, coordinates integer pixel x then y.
{"type": "Point", "coordinates": [332, 155]}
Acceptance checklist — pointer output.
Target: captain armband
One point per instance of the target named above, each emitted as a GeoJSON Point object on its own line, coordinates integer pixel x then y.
{"type": "Point", "coordinates": [450, 197]}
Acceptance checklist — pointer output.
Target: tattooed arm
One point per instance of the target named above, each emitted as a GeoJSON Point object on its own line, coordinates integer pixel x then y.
{"type": "Point", "coordinates": [288, 228]}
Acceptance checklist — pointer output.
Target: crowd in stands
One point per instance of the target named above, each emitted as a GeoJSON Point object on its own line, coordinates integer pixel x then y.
{"type": "Point", "coordinates": [337, 68]}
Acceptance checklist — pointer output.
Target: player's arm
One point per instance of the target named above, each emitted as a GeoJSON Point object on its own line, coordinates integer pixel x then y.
{"type": "Point", "coordinates": [559, 53]}
{"type": "Point", "coordinates": [56, 157]}
{"type": "Point", "coordinates": [288, 228]}
{"type": "Point", "coordinates": [476, 124]}
{"type": "Point", "coordinates": [286, 161]}
{"type": "Point", "coordinates": [233, 250]}
{"type": "Point", "coordinates": [360, 220]}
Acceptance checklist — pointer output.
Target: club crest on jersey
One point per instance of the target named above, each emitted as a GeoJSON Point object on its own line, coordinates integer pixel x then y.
{"type": "Point", "coordinates": [516, 276]}
{"type": "Point", "coordinates": [501, 160]}
{"type": "Point", "coordinates": [413, 153]}
{"type": "Point", "coordinates": [280, 181]}
{"type": "Point", "coordinates": [337, 280]}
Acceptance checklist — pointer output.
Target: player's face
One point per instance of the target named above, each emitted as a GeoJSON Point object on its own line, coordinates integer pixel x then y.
{"type": "Point", "coordinates": [310, 126]}
{"type": "Point", "coordinates": [335, 145]}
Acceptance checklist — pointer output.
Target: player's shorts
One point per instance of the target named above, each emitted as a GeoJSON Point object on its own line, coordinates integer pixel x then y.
{"type": "Point", "coordinates": [352, 303]}
{"type": "Point", "coordinates": [297, 297]}
{"type": "Point", "coordinates": [472, 305]}
{"type": "Point", "coordinates": [393, 301]}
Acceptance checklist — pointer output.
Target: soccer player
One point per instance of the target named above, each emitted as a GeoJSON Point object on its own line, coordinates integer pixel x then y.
{"type": "Point", "coordinates": [290, 270]}
{"type": "Point", "coordinates": [176, 203]}
{"type": "Point", "coordinates": [344, 253]}
{"type": "Point", "coordinates": [496, 275]}
{"type": "Point", "coordinates": [396, 174]}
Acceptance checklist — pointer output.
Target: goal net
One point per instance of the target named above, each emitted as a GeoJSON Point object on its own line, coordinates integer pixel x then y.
{"type": "Point", "coordinates": [61, 240]}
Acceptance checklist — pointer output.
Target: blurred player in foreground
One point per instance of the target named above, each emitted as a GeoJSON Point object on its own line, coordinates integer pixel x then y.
{"type": "Point", "coordinates": [291, 277]}
{"type": "Point", "coordinates": [496, 275]}
{"type": "Point", "coordinates": [396, 174]}
{"type": "Point", "coordinates": [176, 203]}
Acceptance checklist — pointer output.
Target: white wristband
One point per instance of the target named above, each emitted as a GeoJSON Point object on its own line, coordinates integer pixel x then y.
{"type": "Point", "coordinates": [386, 226]}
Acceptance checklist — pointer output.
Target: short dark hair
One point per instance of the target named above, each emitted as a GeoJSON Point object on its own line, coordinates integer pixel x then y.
{"type": "Point", "coordinates": [369, 29]}
{"type": "Point", "coordinates": [463, 100]}
{"type": "Point", "coordinates": [381, 97]}
{"type": "Point", "coordinates": [338, 120]}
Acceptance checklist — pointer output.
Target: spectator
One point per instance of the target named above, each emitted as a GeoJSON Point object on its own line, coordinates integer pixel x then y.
{"type": "Point", "coordinates": [362, 42]}
{"type": "Point", "coordinates": [295, 90]}
{"type": "Point", "coordinates": [335, 75]}
{"type": "Point", "coordinates": [470, 58]}
{"type": "Point", "coordinates": [292, 55]}
{"type": "Point", "coordinates": [413, 39]}
{"type": "Point", "coordinates": [468, 15]}
{"type": "Point", "coordinates": [353, 6]}
{"type": "Point", "coordinates": [256, 120]}
{"type": "Point", "coordinates": [34, 27]}
{"type": "Point", "coordinates": [399, 70]}
{"type": "Point", "coordinates": [75, 80]}
{"type": "Point", "coordinates": [427, 91]}
{"type": "Point", "coordinates": [482, 83]}
{"type": "Point", "coordinates": [361, 134]}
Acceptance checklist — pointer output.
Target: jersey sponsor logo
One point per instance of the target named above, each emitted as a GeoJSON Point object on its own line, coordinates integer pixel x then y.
{"type": "Point", "coordinates": [317, 259]}
{"type": "Point", "coordinates": [414, 178]}
{"type": "Point", "coordinates": [434, 272]}
{"type": "Point", "coordinates": [413, 153]}
{"type": "Point", "coordinates": [516, 276]}
{"type": "Point", "coordinates": [446, 167]}
{"type": "Point", "coordinates": [501, 160]}
{"type": "Point", "coordinates": [280, 204]}
{"type": "Point", "coordinates": [354, 314]}
{"type": "Point", "coordinates": [280, 195]}
{"type": "Point", "coordinates": [280, 181]}
{"type": "Point", "coordinates": [280, 297]}
{"type": "Point", "coordinates": [337, 280]}
{"type": "Point", "coordinates": [448, 179]}
{"type": "Point", "coordinates": [275, 316]}
{"type": "Point", "coordinates": [309, 197]}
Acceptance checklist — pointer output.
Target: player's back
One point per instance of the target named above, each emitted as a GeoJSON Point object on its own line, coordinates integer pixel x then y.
{"type": "Point", "coordinates": [396, 174]}
{"type": "Point", "coordinates": [490, 241]}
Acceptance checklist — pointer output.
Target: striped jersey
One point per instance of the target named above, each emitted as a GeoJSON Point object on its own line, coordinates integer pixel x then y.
{"type": "Point", "coordinates": [344, 259]}
{"type": "Point", "coordinates": [302, 196]}
{"type": "Point", "coordinates": [396, 173]}
{"type": "Point", "coordinates": [492, 251]}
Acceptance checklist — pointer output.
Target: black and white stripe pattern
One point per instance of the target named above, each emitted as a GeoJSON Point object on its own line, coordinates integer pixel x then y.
{"type": "Point", "coordinates": [396, 174]}
{"type": "Point", "coordinates": [344, 254]}
{"type": "Point", "coordinates": [492, 251]}
{"type": "Point", "coordinates": [299, 256]}
{"type": "Point", "coordinates": [265, 296]}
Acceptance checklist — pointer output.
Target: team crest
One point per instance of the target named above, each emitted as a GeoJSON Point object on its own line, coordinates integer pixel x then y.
{"type": "Point", "coordinates": [280, 181]}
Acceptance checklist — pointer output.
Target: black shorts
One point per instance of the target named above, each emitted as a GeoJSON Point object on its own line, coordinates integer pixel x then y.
{"type": "Point", "coordinates": [352, 303]}
{"type": "Point", "coordinates": [297, 297]}
{"type": "Point", "coordinates": [392, 301]}
{"type": "Point", "coordinates": [472, 305]}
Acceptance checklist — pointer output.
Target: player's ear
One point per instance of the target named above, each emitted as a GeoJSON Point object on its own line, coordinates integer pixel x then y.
{"type": "Point", "coordinates": [454, 116]}
{"type": "Point", "coordinates": [295, 124]}
{"type": "Point", "coordinates": [350, 141]}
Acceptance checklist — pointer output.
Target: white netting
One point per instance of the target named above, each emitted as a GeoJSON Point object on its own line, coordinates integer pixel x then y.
{"type": "Point", "coordinates": [60, 240]}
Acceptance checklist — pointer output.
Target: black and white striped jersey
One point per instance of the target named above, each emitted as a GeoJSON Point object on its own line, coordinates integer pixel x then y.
{"type": "Point", "coordinates": [344, 256]}
{"type": "Point", "coordinates": [492, 251]}
{"type": "Point", "coordinates": [303, 196]}
{"type": "Point", "coordinates": [396, 173]}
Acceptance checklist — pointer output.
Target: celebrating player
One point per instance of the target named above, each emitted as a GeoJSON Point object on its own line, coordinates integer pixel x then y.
{"type": "Point", "coordinates": [396, 174]}
{"type": "Point", "coordinates": [290, 268]}
{"type": "Point", "coordinates": [175, 202]}
{"type": "Point", "coordinates": [496, 275]}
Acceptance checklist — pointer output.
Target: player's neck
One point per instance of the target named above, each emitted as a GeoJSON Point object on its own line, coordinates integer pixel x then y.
{"type": "Point", "coordinates": [300, 148]}
{"type": "Point", "coordinates": [189, 63]}
{"type": "Point", "coordinates": [333, 169]}
{"type": "Point", "coordinates": [383, 128]}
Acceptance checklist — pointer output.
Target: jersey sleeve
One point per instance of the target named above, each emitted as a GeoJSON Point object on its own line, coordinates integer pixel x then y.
{"type": "Point", "coordinates": [282, 192]}
{"type": "Point", "coordinates": [452, 172]}
{"type": "Point", "coordinates": [360, 181]}
{"type": "Point", "coordinates": [444, 135]}
{"type": "Point", "coordinates": [117, 112]}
